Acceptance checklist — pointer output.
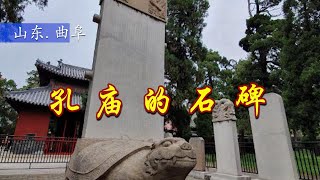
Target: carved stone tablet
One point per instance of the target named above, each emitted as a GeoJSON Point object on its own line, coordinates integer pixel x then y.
{"type": "Point", "coordinates": [223, 111]}
{"type": "Point", "coordinates": [154, 8]}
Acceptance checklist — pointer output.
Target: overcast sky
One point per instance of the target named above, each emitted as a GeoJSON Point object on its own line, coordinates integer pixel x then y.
{"type": "Point", "coordinates": [225, 27]}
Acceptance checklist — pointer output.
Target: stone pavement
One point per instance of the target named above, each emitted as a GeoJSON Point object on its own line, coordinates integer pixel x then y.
{"type": "Point", "coordinates": [58, 174]}
{"type": "Point", "coordinates": [44, 177]}
{"type": "Point", "coordinates": [33, 177]}
{"type": "Point", "coordinates": [38, 174]}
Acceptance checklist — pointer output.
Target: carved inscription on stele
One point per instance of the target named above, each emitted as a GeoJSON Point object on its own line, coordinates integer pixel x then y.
{"type": "Point", "coordinates": [154, 8]}
{"type": "Point", "coordinates": [223, 111]}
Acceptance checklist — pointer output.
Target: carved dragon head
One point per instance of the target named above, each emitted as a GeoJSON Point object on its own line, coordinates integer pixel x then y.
{"type": "Point", "coordinates": [173, 155]}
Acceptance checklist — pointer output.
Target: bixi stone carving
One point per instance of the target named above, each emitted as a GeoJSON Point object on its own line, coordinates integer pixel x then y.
{"type": "Point", "coordinates": [170, 158]}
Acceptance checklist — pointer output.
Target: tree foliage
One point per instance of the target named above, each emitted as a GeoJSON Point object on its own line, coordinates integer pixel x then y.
{"type": "Point", "coordinates": [12, 10]}
{"type": "Point", "coordinates": [32, 80]}
{"type": "Point", "coordinates": [184, 49]}
{"type": "Point", "coordinates": [263, 42]}
{"type": "Point", "coordinates": [204, 125]}
{"type": "Point", "coordinates": [300, 62]}
{"type": "Point", "coordinates": [7, 114]}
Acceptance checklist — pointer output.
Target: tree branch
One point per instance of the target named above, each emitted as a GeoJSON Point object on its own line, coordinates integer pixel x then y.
{"type": "Point", "coordinates": [249, 9]}
{"type": "Point", "coordinates": [274, 63]}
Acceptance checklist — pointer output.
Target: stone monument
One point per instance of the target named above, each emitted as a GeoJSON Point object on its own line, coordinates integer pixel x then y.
{"type": "Point", "coordinates": [129, 55]}
{"type": "Point", "coordinates": [226, 142]}
{"type": "Point", "coordinates": [171, 158]}
{"type": "Point", "coordinates": [273, 148]}
{"type": "Point", "coordinates": [198, 145]}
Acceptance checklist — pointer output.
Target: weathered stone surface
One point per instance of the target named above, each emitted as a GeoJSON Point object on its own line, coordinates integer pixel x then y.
{"type": "Point", "coordinates": [226, 142]}
{"type": "Point", "coordinates": [154, 8]}
{"type": "Point", "coordinates": [170, 158]}
{"type": "Point", "coordinates": [223, 111]}
{"type": "Point", "coordinates": [129, 54]}
{"type": "Point", "coordinates": [272, 144]}
{"type": "Point", "coordinates": [227, 148]}
{"type": "Point", "coordinates": [198, 145]}
{"type": "Point", "coordinates": [219, 176]}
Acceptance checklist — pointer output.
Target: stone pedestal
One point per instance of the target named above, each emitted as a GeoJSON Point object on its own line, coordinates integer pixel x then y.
{"type": "Point", "coordinates": [273, 148]}
{"type": "Point", "coordinates": [222, 176]}
{"type": "Point", "coordinates": [129, 54]}
{"type": "Point", "coordinates": [198, 146]}
{"type": "Point", "coordinates": [226, 142]}
{"type": "Point", "coordinates": [170, 158]}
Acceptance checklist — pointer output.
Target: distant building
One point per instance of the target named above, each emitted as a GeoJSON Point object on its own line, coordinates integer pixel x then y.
{"type": "Point", "coordinates": [35, 118]}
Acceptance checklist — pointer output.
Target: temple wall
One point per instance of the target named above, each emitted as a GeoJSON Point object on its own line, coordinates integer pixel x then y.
{"type": "Point", "coordinates": [30, 122]}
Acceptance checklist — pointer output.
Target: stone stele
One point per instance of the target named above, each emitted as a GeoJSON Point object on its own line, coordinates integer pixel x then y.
{"type": "Point", "coordinates": [154, 8]}
{"type": "Point", "coordinates": [226, 142]}
{"type": "Point", "coordinates": [272, 143]}
{"type": "Point", "coordinates": [170, 158]}
{"type": "Point", "coordinates": [129, 54]}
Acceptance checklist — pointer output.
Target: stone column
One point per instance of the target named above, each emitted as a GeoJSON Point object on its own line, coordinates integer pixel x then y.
{"type": "Point", "coordinates": [274, 154]}
{"type": "Point", "coordinates": [226, 142]}
{"type": "Point", "coordinates": [198, 145]}
{"type": "Point", "coordinates": [129, 54]}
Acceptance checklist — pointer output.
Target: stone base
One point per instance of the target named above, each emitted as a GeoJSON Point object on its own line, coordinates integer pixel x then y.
{"type": "Point", "coordinates": [130, 159]}
{"type": "Point", "coordinates": [198, 174]}
{"type": "Point", "coordinates": [219, 176]}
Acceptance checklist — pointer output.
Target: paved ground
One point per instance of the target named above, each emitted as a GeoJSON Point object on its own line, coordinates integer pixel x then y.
{"type": "Point", "coordinates": [26, 166]}
{"type": "Point", "coordinates": [34, 177]}
{"type": "Point", "coordinates": [48, 174]}
{"type": "Point", "coordinates": [37, 174]}
{"type": "Point", "coordinates": [43, 177]}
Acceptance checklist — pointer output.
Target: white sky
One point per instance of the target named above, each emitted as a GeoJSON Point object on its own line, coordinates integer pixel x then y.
{"type": "Point", "coordinates": [225, 27]}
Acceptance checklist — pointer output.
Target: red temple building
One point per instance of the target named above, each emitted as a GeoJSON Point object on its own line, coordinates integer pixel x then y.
{"type": "Point", "coordinates": [34, 115]}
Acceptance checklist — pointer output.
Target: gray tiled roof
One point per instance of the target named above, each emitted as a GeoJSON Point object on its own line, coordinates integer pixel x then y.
{"type": "Point", "coordinates": [64, 70]}
{"type": "Point", "coordinates": [38, 96]}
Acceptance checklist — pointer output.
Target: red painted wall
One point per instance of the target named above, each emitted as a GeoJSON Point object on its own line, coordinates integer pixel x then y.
{"type": "Point", "coordinates": [31, 122]}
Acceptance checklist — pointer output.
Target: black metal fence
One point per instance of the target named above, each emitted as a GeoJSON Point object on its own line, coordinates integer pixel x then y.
{"type": "Point", "coordinates": [210, 153]}
{"type": "Point", "coordinates": [28, 149]}
{"type": "Point", "coordinates": [307, 155]}
{"type": "Point", "coordinates": [247, 156]}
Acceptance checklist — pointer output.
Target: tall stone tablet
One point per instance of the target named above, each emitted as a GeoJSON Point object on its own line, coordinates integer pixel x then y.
{"type": "Point", "coordinates": [129, 54]}
{"type": "Point", "coordinates": [272, 144]}
{"type": "Point", "coordinates": [226, 142]}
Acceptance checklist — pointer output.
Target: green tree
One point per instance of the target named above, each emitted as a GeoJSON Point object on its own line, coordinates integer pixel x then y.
{"type": "Point", "coordinates": [300, 62]}
{"type": "Point", "coordinates": [204, 125]}
{"type": "Point", "coordinates": [12, 10]}
{"type": "Point", "coordinates": [242, 75]}
{"type": "Point", "coordinates": [32, 80]}
{"type": "Point", "coordinates": [263, 41]}
{"type": "Point", "coordinates": [216, 72]}
{"type": "Point", "coordinates": [184, 49]}
{"type": "Point", "coordinates": [8, 115]}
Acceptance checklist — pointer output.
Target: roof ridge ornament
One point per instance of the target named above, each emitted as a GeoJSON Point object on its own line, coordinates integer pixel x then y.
{"type": "Point", "coordinates": [60, 63]}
